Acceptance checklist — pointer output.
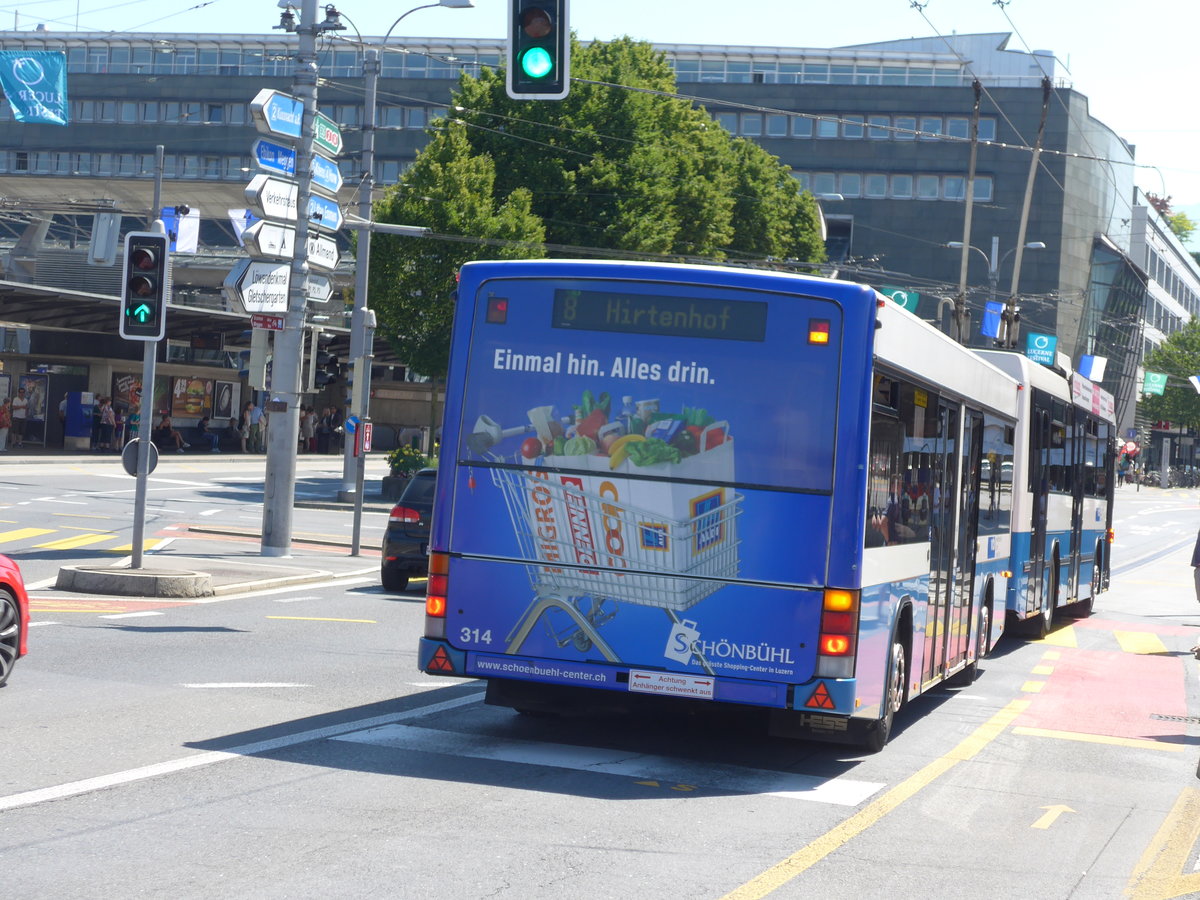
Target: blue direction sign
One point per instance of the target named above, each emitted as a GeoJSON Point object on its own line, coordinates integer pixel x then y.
{"type": "Point", "coordinates": [326, 176]}
{"type": "Point", "coordinates": [274, 158]}
{"type": "Point", "coordinates": [277, 113]}
{"type": "Point", "coordinates": [324, 214]}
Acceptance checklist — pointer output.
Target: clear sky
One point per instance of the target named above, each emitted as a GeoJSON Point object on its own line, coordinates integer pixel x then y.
{"type": "Point", "coordinates": [1135, 62]}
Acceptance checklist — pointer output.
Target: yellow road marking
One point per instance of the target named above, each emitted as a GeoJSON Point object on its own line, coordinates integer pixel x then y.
{"type": "Point", "coordinates": [1043, 670]}
{"type": "Point", "coordinates": [128, 548]}
{"type": "Point", "coordinates": [80, 540]}
{"type": "Point", "coordinates": [1033, 687]}
{"type": "Point", "coordinates": [1050, 816]}
{"type": "Point", "coordinates": [1159, 873]}
{"type": "Point", "coordinates": [19, 534]}
{"type": "Point", "coordinates": [317, 619]}
{"type": "Point", "coordinates": [1139, 642]}
{"type": "Point", "coordinates": [1138, 743]}
{"type": "Point", "coordinates": [783, 872]}
{"type": "Point", "coordinates": [1064, 637]}
{"type": "Point", "coordinates": [1052, 655]}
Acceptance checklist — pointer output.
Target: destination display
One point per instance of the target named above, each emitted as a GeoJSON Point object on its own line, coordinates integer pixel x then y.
{"type": "Point", "coordinates": [703, 317]}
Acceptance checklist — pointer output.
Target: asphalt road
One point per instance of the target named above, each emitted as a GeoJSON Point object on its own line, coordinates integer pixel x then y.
{"type": "Point", "coordinates": [283, 744]}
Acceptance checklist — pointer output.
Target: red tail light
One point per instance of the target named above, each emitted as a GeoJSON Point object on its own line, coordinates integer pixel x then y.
{"type": "Point", "coordinates": [1112, 536]}
{"type": "Point", "coordinates": [435, 595]}
{"type": "Point", "coordinates": [402, 515]}
{"type": "Point", "coordinates": [838, 642]}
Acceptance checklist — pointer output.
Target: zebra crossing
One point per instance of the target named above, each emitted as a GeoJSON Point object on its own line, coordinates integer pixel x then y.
{"type": "Point", "coordinates": [69, 538]}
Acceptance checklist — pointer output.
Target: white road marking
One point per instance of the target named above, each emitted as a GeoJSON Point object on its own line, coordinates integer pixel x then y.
{"type": "Point", "coordinates": [132, 615]}
{"type": "Point", "coordinates": [294, 599]}
{"type": "Point", "coordinates": [838, 790]}
{"type": "Point", "coordinates": [246, 684]}
{"type": "Point", "coordinates": [36, 624]}
{"type": "Point", "coordinates": [87, 785]}
{"type": "Point", "coordinates": [210, 512]}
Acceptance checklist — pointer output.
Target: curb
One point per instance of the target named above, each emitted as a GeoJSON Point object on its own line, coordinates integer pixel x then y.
{"type": "Point", "coordinates": [134, 583]}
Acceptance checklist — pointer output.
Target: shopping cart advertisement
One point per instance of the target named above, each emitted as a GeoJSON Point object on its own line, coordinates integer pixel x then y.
{"type": "Point", "coordinates": [653, 500]}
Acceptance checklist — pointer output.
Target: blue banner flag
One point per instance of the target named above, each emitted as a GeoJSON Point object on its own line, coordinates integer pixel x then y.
{"type": "Point", "coordinates": [35, 83]}
{"type": "Point", "coordinates": [992, 312]}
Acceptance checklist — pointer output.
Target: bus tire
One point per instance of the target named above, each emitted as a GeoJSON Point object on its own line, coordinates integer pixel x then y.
{"type": "Point", "coordinates": [967, 674]}
{"type": "Point", "coordinates": [897, 681]}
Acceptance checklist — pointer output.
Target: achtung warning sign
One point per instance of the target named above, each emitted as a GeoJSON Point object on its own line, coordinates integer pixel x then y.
{"type": "Point", "coordinates": [700, 686]}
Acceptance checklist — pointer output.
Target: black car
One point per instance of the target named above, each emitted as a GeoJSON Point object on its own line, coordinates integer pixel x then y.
{"type": "Point", "coordinates": [406, 541]}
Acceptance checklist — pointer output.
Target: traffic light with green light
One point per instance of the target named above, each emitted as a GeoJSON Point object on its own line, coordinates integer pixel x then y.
{"type": "Point", "coordinates": [539, 50]}
{"type": "Point", "coordinates": [144, 287]}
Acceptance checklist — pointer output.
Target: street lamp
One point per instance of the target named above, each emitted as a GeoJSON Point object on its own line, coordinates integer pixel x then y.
{"type": "Point", "coordinates": [362, 323]}
{"type": "Point", "coordinates": [994, 263]}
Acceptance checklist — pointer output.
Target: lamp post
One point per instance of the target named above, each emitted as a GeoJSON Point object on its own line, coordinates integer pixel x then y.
{"type": "Point", "coordinates": [994, 263]}
{"type": "Point", "coordinates": [362, 324]}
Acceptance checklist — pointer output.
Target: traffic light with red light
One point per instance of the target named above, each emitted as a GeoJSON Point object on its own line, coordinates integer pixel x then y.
{"type": "Point", "coordinates": [144, 287]}
{"type": "Point", "coordinates": [539, 50]}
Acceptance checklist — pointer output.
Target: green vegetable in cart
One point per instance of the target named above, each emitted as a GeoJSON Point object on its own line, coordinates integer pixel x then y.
{"type": "Point", "coordinates": [651, 451]}
{"type": "Point", "coordinates": [579, 445]}
{"type": "Point", "coordinates": [560, 445]}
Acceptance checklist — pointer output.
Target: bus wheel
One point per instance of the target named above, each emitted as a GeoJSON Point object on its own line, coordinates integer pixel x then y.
{"type": "Point", "coordinates": [1039, 626]}
{"type": "Point", "coordinates": [897, 678]}
{"type": "Point", "coordinates": [970, 671]}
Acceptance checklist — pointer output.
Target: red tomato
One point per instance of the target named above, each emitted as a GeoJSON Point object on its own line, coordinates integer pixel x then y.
{"type": "Point", "coordinates": [531, 448]}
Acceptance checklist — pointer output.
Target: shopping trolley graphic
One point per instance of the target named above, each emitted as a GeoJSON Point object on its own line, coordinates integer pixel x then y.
{"type": "Point", "coordinates": [595, 551]}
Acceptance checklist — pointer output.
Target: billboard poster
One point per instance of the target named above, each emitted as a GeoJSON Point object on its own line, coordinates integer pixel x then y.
{"type": "Point", "coordinates": [191, 397]}
{"type": "Point", "coordinates": [639, 449]}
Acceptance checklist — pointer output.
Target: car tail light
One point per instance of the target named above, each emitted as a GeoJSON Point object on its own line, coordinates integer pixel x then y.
{"type": "Point", "coordinates": [1112, 536]}
{"type": "Point", "coordinates": [435, 595]}
{"type": "Point", "coordinates": [403, 515]}
{"type": "Point", "coordinates": [838, 643]}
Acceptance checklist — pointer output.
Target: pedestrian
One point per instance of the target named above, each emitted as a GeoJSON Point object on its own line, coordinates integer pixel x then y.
{"type": "Point", "coordinates": [62, 419]}
{"type": "Point", "coordinates": [20, 411]}
{"type": "Point", "coordinates": [108, 424]}
{"type": "Point", "coordinates": [166, 434]}
{"type": "Point", "coordinates": [308, 430]}
{"type": "Point", "coordinates": [132, 421]}
{"type": "Point", "coordinates": [256, 428]}
{"type": "Point", "coordinates": [205, 429]}
{"type": "Point", "coordinates": [243, 425]}
{"type": "Point", "coordinates": [5, 423]}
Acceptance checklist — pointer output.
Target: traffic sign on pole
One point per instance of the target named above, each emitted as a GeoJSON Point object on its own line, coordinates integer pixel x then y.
{"type": "Point", "coordinates": [327, 136]}
{"type": "Point", "coordinates": [318, 288]}
{"type": "Point", "coordinates": [322, 252]}
{"type": "Point", "coordinates": [272, 198]}
{"type": "Point", "coordinates": [274, 158]}
{"type": "Point", "coordinates": [324, 213]}
{"type": "Point", "coordinates": [326, 176]}
{"type": "Point", "coordinates": [270, 240]}
{"type": "Point", "coordinates": [275, 112]}
{"type": "Point", "coordinates": [260, 286]}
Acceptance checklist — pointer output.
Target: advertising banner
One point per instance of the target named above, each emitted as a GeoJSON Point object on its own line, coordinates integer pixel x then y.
{"type": "Point", "coordinates": [35, 82]}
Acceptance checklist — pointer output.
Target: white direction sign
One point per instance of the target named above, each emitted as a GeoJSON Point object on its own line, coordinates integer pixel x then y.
{"type": "Point", "coordinates": [272, 198]}
{"type": "Point", "coordinates": [270, 240]}
{"type": "Point", "coordinates": [277, 113]}
{"type": "Point", "coordinates": [260, 286]}
{"type": "Point", "coordinates": [322, 252]}
{"type": "Point", "coordinates": [318, 288]}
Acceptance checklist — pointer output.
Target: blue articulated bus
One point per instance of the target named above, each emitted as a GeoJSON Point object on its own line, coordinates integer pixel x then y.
{"type": "Point", "coordinates": [675, 483]}
{"type": "Point", "coordinates": [1062, 491]}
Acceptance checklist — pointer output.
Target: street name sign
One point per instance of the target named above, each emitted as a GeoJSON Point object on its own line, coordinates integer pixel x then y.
{"type": "Point", "coordinates": [272, 198]}
{"type": "Point", "coordinates": [318, 288]}
{"type": "Point", "coordinates": [273, 158]}
{"type": "Point", "coordinates": [275, 112]}
{"type": "Point", "coordinates": [260, 286]}
{"type": "Point", "coordinates": [268, 323]}
{"type": "Point", "coordinates": [326, 135]}
{"type": "Point", "coordinates": [326, 176]}
{"type": "Point", "coordinates": [324, 213]}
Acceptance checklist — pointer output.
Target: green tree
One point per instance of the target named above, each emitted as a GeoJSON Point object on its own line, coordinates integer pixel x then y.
{"type": "Point", "coordinates": [1182, 225]}
{"type": "Point", "coordinates": [1179, 357]}
{"type": "Point", "coordinates": [615, 166]}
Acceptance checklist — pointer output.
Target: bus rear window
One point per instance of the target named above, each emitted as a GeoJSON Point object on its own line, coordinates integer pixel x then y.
{"type": "Point", "coordinates": [677, 381]}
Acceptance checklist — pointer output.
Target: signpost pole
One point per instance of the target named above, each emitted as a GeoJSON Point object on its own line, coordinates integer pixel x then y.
{"type": "Point", "coordinates": [279, 488]}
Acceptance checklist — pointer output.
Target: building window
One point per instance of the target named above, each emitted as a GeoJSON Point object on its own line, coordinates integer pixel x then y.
{"type": "Point", "coordinates": [954, 187]}
{"type": "Point", "coordinates": [875, 185]}
{"type": "Point", "coordinates": [802, 127]}
{"type": "Point", "coordinates": [777, 126]}
{"type": "Point", "coordinates": [752, 124]}
{"type": "Point", "coordinates": [149, 112]}
{"type": "Point", "coordinates": [983, 189]}
{"type": "Point", "coordinates": [958, 127]}
{"type": "Point", "coordinates": [852, 127]}
{"type": "Point", "coordinates": [824, 183]}
{"type": "Point", "coordinates": [987, 129]}
{"type": "Point", "coordinates": [928, 187]}
{"type": "Point", "coordinates": [827, 127]}
{"type": "Point", "coordinates": [902, 187]}
{"type": "Point", "coordinates": [906, 127]}
{"type": "Point", "coordinates": [931, 128]}
{"type": "Point", "coordinates": [879, 130]}
{"type": "Point", "coordinates": [850, 185]}
{"type": "Point", "coordinates": [214, 113]}
{"type": "Point", "coordinates": [417, 117]}
{"type": "Point", "coordinates": [728, 121]}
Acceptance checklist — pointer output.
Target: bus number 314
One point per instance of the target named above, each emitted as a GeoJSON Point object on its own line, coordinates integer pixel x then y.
{"type": "Point", "coordinates": [475, 636]}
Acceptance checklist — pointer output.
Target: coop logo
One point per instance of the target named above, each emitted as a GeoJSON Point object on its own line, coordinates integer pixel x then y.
{"type": "Point", "coordinates": [35, 84]}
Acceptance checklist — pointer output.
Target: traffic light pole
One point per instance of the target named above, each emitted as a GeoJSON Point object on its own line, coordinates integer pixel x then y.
{"type": "Point", "coordinates": [283, 417]}
{"type": "Point", "coordinates": [146, 401]}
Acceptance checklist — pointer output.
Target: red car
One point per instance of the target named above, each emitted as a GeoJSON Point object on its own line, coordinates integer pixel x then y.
{"type": "Point", "coordinates": [14, 617]}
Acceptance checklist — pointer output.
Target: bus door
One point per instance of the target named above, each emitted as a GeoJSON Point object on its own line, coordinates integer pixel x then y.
{"type": "Point", "coordinates": [1039, 493]}
{"type": "Point", "coordinates": [962, 605]}
{"type": "Point", "coordinates": [941, 534]}
{"type": "Point", "coordinates": [1076, 460]}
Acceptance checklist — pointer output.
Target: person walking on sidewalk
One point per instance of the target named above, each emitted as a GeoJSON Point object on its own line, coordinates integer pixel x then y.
{"type": "Point", "coordinates": [5, 422]}
{"type": "Point", "coordinates": [256, 429]}
{"type": "Point", "coordinates": [20, 411]}
{"type": "Point", "coordinates": [1196, 575]}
